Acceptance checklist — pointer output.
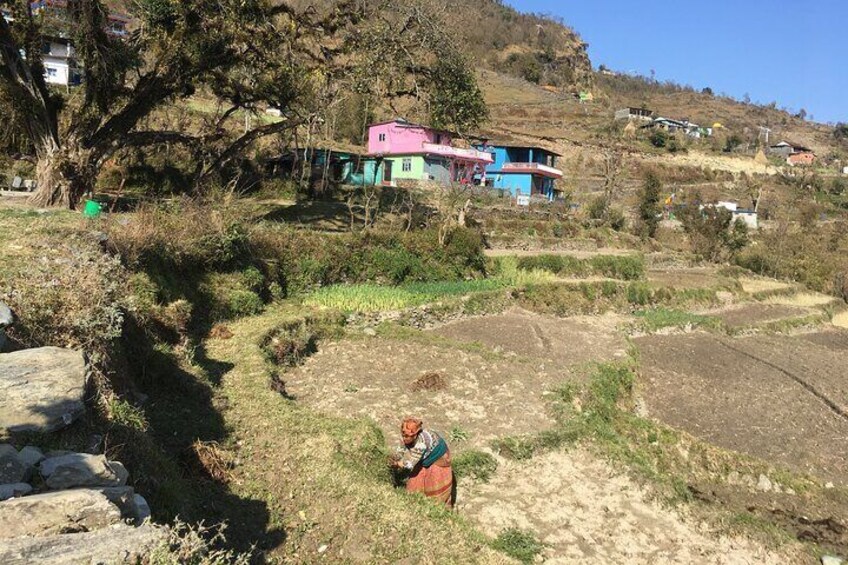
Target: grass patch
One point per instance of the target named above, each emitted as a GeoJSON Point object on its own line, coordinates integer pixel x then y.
{"type": "Point", "coordinates": [374, 298]}
{"type": "Point", "coordinates": [475, 465]}
{"type": "Point", "coordinates": [659, 318]}
{"type": "Point", "coordinates": [623, 267]}
{"type": "Point", "coordinates": [521, 545]}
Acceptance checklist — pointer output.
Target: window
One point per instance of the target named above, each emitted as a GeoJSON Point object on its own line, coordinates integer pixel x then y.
{"type": "Point", "coordinates": [52, 73]}
{"type": "Point", "coordinates": [438, 139]}
{"type": "Point", "coordinates": [381, 137]}
{"type": "Point", "coordinates": [407, 165]}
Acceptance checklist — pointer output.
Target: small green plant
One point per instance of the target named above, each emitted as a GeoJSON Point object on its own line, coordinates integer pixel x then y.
{"type": "Point", "coordinates": [244, 303]}
{"type": "Point", "coordinates": [515, 447]}
{"type": "Point", "coordinates": [457, 435]}
{"type": "Point", "coordinates": [476, 465]}
{"type": "Point", "coordinates": [521, 545]}
{"type": "Point", "coordinates": [638, 294]}
{"type": "Point", "coordinates": [122, 413]}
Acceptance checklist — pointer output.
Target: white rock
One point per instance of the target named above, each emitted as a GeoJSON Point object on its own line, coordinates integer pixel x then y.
{"type": "Point", "coordinates": [142, 509]}
{"type": "Point", "coordinates": [56, 512]}
{"type": "Point", "coordinates": [764, 484]}
{"type": "Point", "coordinates": [41, 390]}
{"type": "Point", "coordinates": [82, 470]}
{"type": "Point", "coordinates": [831, 560]}
{"type": "Point", "coordinates": [119, 544]}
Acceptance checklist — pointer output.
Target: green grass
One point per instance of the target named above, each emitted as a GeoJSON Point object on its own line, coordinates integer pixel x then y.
{"type": "Point", "coordinates": [523, 546]}
{"type": "Point", "coordinates": [659, 318]}
{"type": "Point", "coordinates": [374, 298]}
{"type": "Point", "coordinates": [623, 267]}
{"type": "Point", "coordinates": [476, 465]}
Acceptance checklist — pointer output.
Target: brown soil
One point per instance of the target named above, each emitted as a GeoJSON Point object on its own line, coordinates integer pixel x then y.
{"type": "Point", "coordinates": [749, 315]}
{"type": "Point", "coordinates": [576, 253]}
{"type": "Point", "coordinates": [686, 278]}
{"type": "Point", "coordinates": [566, 342]}
{"type": "Point", "coordinates": [495, 392]}
{"type": "Point", "coordinates": [781, 398]}
{"type": "Point", "coordinates": [429, 381]}
{"type": "Point", "coordinates": [585, 512]}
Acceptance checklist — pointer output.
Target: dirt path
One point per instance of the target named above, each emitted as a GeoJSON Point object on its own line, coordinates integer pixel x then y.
{"type": "Point", "coordinates": [781, 398]}
{"type": "Point", "coordinates": [585, 512]}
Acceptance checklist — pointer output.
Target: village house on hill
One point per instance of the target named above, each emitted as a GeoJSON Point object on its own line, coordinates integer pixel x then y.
{"type": "Point", "coordinates": [61, 67]}
{"type": "Point", "coordinates": [521, 169]}
{"type": "Point", "coordinates": [794, 153]}
{"type": "Point", "coordinates": [631, 113]}
{"type": "Point", "coordinates": [399, 150]}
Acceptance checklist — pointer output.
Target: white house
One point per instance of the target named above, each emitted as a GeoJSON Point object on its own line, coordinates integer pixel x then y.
{"type": "Point", "coordinates": [749, 217]}
{"type": "Point", "coordinates": [60, 66]}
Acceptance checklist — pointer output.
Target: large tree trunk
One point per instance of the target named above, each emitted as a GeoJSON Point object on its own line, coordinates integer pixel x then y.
{"type": "Point", "coordinates": [64, 175]}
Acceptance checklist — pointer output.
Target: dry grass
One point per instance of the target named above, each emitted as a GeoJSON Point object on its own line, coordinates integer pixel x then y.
{"type": "Point", "coordinates": [803, 299]}
{"type": "Point", "coordinates": [429, 381]}
{"type": "Point", "coordinates": [754, 286]}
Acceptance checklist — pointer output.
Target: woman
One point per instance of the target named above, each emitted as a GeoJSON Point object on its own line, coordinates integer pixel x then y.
{"type": "Point", "coordinates": [426, 456]}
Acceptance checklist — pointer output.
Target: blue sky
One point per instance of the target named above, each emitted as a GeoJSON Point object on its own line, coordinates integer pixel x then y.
{"type": "Point", "coordinates": [793, 53]}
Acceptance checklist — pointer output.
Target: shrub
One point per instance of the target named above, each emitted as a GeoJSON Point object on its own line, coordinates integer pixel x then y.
{"type": "Point", "coordinates": [243, 303]}
{"type": "Point", "coordinates": [650, 205]}
{"type": "Point", "coordinates": [521, 545]}
{"type": "Point", "coordinates": [638, 294]}
{"type": "Point", "coordinates": [476, 465]}
{"type": "Point", "coordinates": [711, 236]}
{"type": "Point", "coordinates": [658, 138]}
{"type": "Point", "coordinates": [627, 267]}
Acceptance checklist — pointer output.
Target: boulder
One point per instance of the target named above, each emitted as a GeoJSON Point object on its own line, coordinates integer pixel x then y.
{"type": "Point", "coordinates": [115, 544]}
{"type": "Point", "coordinates": [142, 509]}
{"type": "Point", "coordinates": [13, 490]}
{"type": "Point", "coordinates": [82, 470]}
{"type": "Point", "coordinates": [41, 390]}
{"type": "Point", "coordinates": [31, 456]}
{"type": "Point", "coordinates": [12, 468]}
{"type": "Point", "coordinates": [125, 499]}
{"type": "Point", "coordinates": [51, 513]}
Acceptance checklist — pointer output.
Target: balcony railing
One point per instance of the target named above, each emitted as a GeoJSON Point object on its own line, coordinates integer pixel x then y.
{"type": "Point", "coordinates": [457, 153]}
{"type": "Point", "coordinates": [532, 168]}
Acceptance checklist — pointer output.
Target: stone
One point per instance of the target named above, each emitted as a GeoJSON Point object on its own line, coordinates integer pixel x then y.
{"type": "Point", "coordinates": [371, 332]}
{"type": "Point", "coordinates": [13, 490]}
{"type": "Point", "coordinates": [7, 318]}
{"type": "Point", "coordinates": [831, 560]}
{"type": "Point", "coordinates": [764, 484]}
{"type": "Point", "coordinates": [56, 512]}
{"type": "Point", "coordinates": [42, 389]}
{"type": "Point", "coordinates": [31, 456]}
{"type": "Point", "coordinates": [122, 497]}
{"type": "Point", "coordinates": [117, 544]}
{"type": "Point", "coordinates": [82, 470]}
{"type": "Point", "coordinates": [142, 510]}
{"type": "Point", "coordinates": [12, 468]}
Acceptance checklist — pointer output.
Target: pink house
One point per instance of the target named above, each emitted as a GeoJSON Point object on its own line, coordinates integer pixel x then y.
{"type": "Point", "coordinates": [402, 150]}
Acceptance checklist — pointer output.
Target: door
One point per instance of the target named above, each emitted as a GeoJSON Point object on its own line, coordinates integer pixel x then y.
{"type": "Point", "coordinates": [387, 172]}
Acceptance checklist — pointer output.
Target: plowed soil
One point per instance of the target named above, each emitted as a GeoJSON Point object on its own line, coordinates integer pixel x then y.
{"type": "Point", "coordinates": [585, 512]}
{"type": "Point", "coordinates": [781, 398]}
{"type": "Point", "coordinates": [497, 392]}
{"type": "Point", "coordinates": [750, 315]}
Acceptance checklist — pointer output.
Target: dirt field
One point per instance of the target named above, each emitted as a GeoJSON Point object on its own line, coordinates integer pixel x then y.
{"type": "Point", "coordinates": [495, 392]}
{"type": "Point", "coordinates": [749, 315]}
{"type": "Point", "coordinates": [781, 398]}
{"type": "Point", "coordinates": [576, 253]}
{"type": "Point", "coordinates": [567, 342]}
{"type": "Point", "coordinates": [585, 512]}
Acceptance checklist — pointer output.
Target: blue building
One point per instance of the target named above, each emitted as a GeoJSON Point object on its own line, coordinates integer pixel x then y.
{"type": "Point", "coordinates": [524, 170]}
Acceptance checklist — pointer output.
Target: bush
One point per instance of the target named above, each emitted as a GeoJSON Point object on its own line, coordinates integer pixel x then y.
{"type": "Point", "coordinates": [626, 267]}
{"type": "Point", "coordinates": [243, 303]}
{"type": "Point", "coordinates": [476, 465]}
{"type": "Point", "coordinates": [658, 138]}
{"type": "Point", "coordinates": [711, 236]}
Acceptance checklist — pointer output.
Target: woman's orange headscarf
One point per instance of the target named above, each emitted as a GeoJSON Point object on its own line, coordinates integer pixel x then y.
{"type": "Point", "coordinates": [410, 427]}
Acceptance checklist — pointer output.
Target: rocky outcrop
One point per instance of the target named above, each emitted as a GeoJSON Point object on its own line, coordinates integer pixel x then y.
{"type": "Point", "coordinates": [82, 470]}
{"type": "Point", "coordinates": [41, 390]}
{"type": "Point", "coordinates": [115, 544]}
{"type": "Point", "coordinates": [78, 510]}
